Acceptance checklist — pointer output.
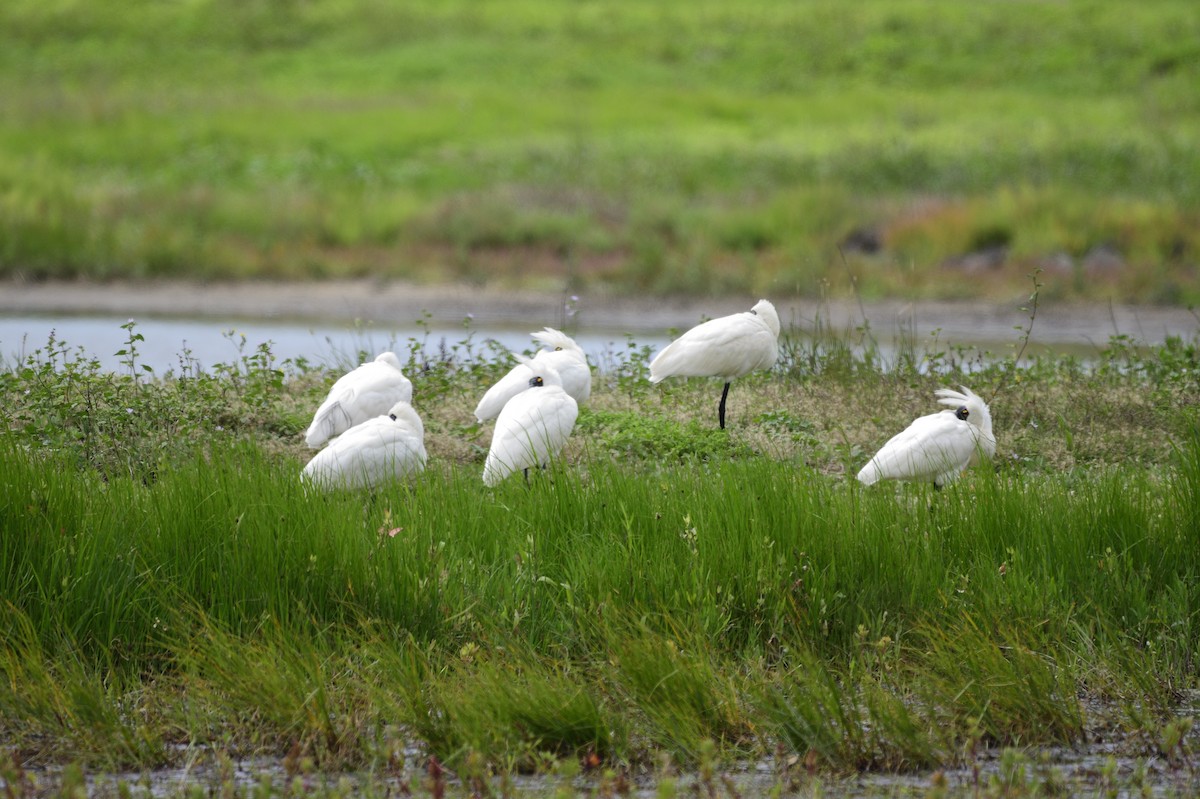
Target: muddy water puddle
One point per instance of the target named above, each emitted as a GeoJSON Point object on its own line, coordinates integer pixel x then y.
{"type": "Point", "coordinates": [1098, 769]}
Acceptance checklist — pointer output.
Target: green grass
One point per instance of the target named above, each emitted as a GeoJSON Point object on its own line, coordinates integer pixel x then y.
{"type": "Point", "coordinates": [688, 147]}
{"type": "Point", "coordinates": [616, 613]}
{"type": "Point", "coordinates": [170, 590]}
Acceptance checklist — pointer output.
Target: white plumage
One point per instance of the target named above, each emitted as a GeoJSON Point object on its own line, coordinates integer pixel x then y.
{"type": "Point", "coordinates": [361, 394]}
{"type": "Point", "coordinates": [532, 427]}
{"type": "Point", "coordinates": [939, 446]}
{"type": "Point", "coordinates": [559, 352]}
{"type": "Point", "coordinates": [387, 447]}
{"type": "Point", "coordinates": [728, 347]}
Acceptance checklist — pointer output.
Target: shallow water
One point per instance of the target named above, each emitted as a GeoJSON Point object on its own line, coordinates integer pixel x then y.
{"type": "Point", "coordinates": [1122, 766]}
{"type": "Point", "coordinates": [210, 341]}
{"type": "Point", "coordinates": [181, 344]}
{"type": "Point", "coordinates": [1092, 770]}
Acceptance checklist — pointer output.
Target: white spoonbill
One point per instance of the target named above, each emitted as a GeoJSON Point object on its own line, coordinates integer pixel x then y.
{"type": "Point", "coordinates": [728, 347]}
{"type": "Point", "coordinates": [387, 447]}
{"type": "Point", "coordinates": [939, 446]}
{"type": "Point", "coordinates": [559, 352]}
{"type": "Point", "coordinates": [359, 395]}
{"type": "Point", "coordinates": [532, 427]}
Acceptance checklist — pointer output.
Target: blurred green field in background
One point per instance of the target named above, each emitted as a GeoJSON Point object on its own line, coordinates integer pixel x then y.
{"type": "Point", "coordinates": [926, 149]}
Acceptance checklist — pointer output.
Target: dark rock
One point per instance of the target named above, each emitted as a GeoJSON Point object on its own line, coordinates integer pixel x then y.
{"type": "Point", "coordinates": [862, 240]}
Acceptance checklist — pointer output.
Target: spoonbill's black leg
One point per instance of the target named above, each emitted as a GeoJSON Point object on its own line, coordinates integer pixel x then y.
{"type": "Point", "coordinates": [721, 412]}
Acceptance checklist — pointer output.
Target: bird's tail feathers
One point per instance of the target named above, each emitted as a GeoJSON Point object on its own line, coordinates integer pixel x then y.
{"type": "Point", "coordinates": [325, 425]}
{"type": "Point", "coordinates": [869, 474]}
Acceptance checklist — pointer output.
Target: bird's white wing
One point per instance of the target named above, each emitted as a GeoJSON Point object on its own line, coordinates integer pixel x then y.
{"type": "Point", "coordinates": [729, 347]}
{"type": "Point", "coordinates": [935, 447]}
{"type": "Point", "coordinates": [572, 367]}
{"type": "Point", "coordinates": [331, 418]}
{"type": "Point", "coordinates": [350, 461]}
{"type": "Point", "coordinates": [507, 387]}
{"type": "Point", "coordinates": [530, 430]}
{"type": "Point", "coordinates": [378, 388]}
{"type": "Point", "coordinates": [369, 454]}
{"type": "Point", "coordinates": [406, 449]}
{"type": "Point", "coordinates": [362, 394]}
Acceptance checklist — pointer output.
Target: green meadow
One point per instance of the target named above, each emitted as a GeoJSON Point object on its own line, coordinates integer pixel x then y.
{"type": "Point", "coordinates": [925, 149]}
{"type": "Point", "coordinates": [666, 597]}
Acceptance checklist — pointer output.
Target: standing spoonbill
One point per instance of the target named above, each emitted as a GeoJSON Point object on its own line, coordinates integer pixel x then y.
{"type": "Point", "coordinates": [728, 347]}
{"type": "Point", "coordinates": [387, 447]}
{"type": "Point", "coordinates": [559, 352]}
{"type": "Point", "coordinates": [532, 427]}
{"type": "Point", "coordinates": [939, 446]}
{"type": "Point", "coordinates": [360, 394]}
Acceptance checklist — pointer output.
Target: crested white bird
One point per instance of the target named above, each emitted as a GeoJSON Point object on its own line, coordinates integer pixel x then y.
{"type": "Point", "coordinates": [559, 352]}
{"type": "Point", "coordinates": [361, 394]}
{"type": "Point", "coordinates": [939, 446]}
{"type": "Point", "coordinates": [728, 347]}
{"type": "Point", "coordinates": [387, 447]}
{"type": "Point", "coordinates": [532, 427]}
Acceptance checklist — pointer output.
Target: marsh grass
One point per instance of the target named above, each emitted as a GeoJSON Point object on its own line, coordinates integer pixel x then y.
{"type": "Point", "coordinates": [521, 610]}
{"type": "Point", "coordinates": [665, 589]}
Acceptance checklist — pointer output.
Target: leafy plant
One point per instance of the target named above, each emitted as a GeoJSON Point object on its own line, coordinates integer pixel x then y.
{"type": "Point", "coordinates": [631, 435]}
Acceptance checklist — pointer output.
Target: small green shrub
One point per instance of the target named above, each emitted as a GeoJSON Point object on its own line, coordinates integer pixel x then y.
{"type": "Point", "coordinates": [629, 435]}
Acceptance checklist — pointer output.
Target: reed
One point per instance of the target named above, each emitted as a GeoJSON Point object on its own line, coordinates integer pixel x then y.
{"type": "Point", "coordinates": [609, 610]}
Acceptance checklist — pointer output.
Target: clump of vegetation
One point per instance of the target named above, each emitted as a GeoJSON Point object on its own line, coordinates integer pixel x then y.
{"type": "Point", "coordinates": [131, 423]}
{"type": "Point", "coordinates": [630, 435]}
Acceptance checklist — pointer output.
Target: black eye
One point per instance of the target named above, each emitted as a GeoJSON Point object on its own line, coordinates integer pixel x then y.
{"type": "Point", "coordinates": [558, 349]}
{"type": "Point", "coordinates": [962, 413]}
{"type": "Point", "coordinates": [535, 381]}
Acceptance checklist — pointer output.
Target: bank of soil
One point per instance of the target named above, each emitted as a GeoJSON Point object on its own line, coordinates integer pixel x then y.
{"type": "Point", "coordinates": [384, 303]}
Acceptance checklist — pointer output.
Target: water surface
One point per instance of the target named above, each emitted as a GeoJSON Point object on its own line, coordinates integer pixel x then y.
{"type": "Point", "coordinates": [210, 341]}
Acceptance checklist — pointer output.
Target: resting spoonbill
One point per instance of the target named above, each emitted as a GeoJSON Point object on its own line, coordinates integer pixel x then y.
{"type": "Point", "coordinates": [728, 347]}
{"type": "Point", "coordinates": [359, 395]}
{"type": "Point", "coordinates": [532, 427]}
{"type": "Point", "coordinates": [939, 446]}
{"type": "Point", "coordinates": [387, 447]}
{"type": "Point", "coordinates": [559, 352]}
